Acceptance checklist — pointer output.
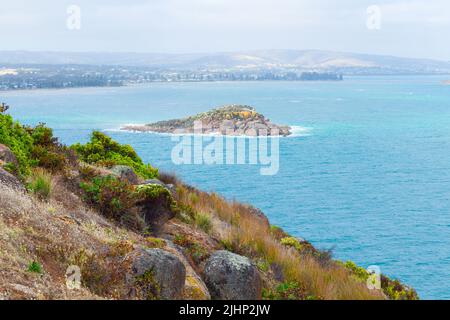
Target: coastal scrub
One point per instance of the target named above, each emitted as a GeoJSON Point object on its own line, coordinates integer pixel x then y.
{"type": "Point", "coordinates": [103, 151]}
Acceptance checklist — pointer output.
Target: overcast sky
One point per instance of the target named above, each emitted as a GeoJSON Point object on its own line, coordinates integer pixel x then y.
{"type": "Point", "coordinates": [410, 28]}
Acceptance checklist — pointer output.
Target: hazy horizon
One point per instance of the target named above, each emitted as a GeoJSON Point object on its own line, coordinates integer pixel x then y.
{"type": "Point", "coordinates": [223, 52]}
{"type": "Point", "coordinates": [411, 29]}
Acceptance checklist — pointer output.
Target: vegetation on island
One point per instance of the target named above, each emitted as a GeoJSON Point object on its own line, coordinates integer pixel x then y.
{"type": "Point", "coordinates": [227, 120]}
{"type": "Point", "coordinates": [75, 211]}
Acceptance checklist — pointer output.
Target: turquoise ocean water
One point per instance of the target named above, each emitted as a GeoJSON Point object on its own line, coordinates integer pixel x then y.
{"type": "Point", "coordinates": [369, 176]}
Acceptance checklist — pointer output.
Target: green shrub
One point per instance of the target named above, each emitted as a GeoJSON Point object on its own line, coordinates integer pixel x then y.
{"type": "Point", "coordinates": [147, 287]}
{"type": "Point", "coordinates": [47, 151]}
{"type": "Point", "coordinates": [43, 135]}
{"type": "Point", "coordinates": [263, 265]}
{"type": "Point", "coordinates": [278, 233]}
{"type": "Point", "coordinates": [152, 193]}
{"type": "Point", "coordinates": [152, 242]}
{"type": "Point", "coordinates": [35, 267]}
{"type": "Point", "coordinates": [395, 290]}
{"type": "Point", "coordinates": [195, 250]}
{"type": "Point", "coordinates": [203, 221]}
{"type": "Point", "coordinates": [40, 184]}
{"type": "Point", "coordinates": [227, 244]}
{"type": "Point", "coordinates": [291, 242]}
{"type": "Point", "coordinates": [193, 197]}
{"type": "Point", "coordinates": [49, 159]}
{"type": "Point", "coordinates": [87, 172]}
{"type": "Point", "coordinates": [102, 150]}
{"type": "Point", "coordinates": [285, 291]}
{"type": "Point", "coordinates": [111, 196]}
{"type": "Point", "coordinates": [121, 201]}
{"type": "Point", "coordinates": [357, 271]}
{"type": "Point", "coordinates": [186, 213]}
{"type": "Point", "coordinates": [13, 135]}
{"type": "Point", "coordinates": [31, 146]}
{"type": "Point", "coordinates": [198, 253]}
{"type": "Point", "coordinates": [181, 240]}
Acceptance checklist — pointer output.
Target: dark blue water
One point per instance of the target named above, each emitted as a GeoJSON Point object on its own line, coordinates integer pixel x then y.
{"type": "Point", "coordinates": [370, 179]}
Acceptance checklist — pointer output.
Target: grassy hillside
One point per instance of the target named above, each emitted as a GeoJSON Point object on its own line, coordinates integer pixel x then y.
{"type": "Point", "coordinates": [90, 206]}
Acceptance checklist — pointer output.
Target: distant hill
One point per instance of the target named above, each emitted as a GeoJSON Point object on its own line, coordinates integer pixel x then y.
{"type": "Point", "coordinates": [305, 60]}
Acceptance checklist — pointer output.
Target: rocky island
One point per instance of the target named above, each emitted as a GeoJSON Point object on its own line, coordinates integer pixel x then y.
{"type": "Point", "coordinates": [233, 120]}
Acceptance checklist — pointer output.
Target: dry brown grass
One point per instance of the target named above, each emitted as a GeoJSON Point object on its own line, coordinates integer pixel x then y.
{"type": "Point", "coordinates": [54, 236]}
{"type": "Point", "coordinates": [249, 234]}
{"type": "Point", "coordinates": [61, 231]}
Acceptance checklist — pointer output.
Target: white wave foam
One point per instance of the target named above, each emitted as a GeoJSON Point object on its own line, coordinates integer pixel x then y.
{"type": "Point", "coordinates": [299, 131]}
{"type": "Point", "coordinates": [296, 131]}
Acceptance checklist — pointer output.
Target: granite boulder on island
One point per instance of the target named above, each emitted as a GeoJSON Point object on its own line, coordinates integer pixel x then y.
{"type": "Point", "coordinates": [233, 120]}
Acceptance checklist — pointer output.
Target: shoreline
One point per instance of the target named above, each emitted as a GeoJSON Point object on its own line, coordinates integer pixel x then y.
{"type": "Point", "coordinates": [134, 85]}
{"type": "Point", "coordinates": [296, 132]}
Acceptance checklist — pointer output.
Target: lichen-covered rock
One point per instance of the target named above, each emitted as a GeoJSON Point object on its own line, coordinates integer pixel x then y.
{"type": "Point", "coordinates": [9, 180]}
{"type": "Point", "coordinates": [169, 187]}
{"type": "Point", "coordinates": [6, 155]}
{"type": "Point", "coordinates": [160, 273]}
{"type": "Point", "coordinates": [154, 181]}
{"type": "Point", "coordinates": [125, 173]}
{"type": "Point", "coordinates": [232, 277]}
{"type": "Point", "coordinates": [194, 287]}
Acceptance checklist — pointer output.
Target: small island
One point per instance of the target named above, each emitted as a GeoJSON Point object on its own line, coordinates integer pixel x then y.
{"type": "Point", "coordinates": [232, 120]}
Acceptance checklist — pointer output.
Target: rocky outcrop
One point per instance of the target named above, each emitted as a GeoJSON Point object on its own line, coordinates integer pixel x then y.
{"type": "Point", "coordinates": [154, 181]}
{"type": "Point", "coordinates": [125, 173]}
{"type": "Point", "coordinates": [169, 187]}
{"type": "Point", "coordinates": [159, 273]}
{"type": "Point", "coordinates": [6, 155]}
{"type": "Point", "coordinates": [194, 287]}
{"type": "Point", "coordinates": [6, 178]}
{"type": "Point", "coordinates": [233, 120]}
{"type": "Point", "coordinates": [232, 277]}
{"type": "Point", "coordinates": [11, 181]}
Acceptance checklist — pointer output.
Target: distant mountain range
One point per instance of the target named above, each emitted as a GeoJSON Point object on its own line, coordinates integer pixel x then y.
{"type": "Point", "coordinates": [295, 60]}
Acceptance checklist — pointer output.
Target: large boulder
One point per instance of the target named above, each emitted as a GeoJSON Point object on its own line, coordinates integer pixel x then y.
{"type": "Point", "coordinates": [10, 180]}
{"type": "Point", "coordinates": [125, 173]}
{"type": "Point", "coordinates": [163, 272]}
{"type": "Point", "coordinates": [232, 277]}
{"type": "Point", "coordinates": [6, 155]}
